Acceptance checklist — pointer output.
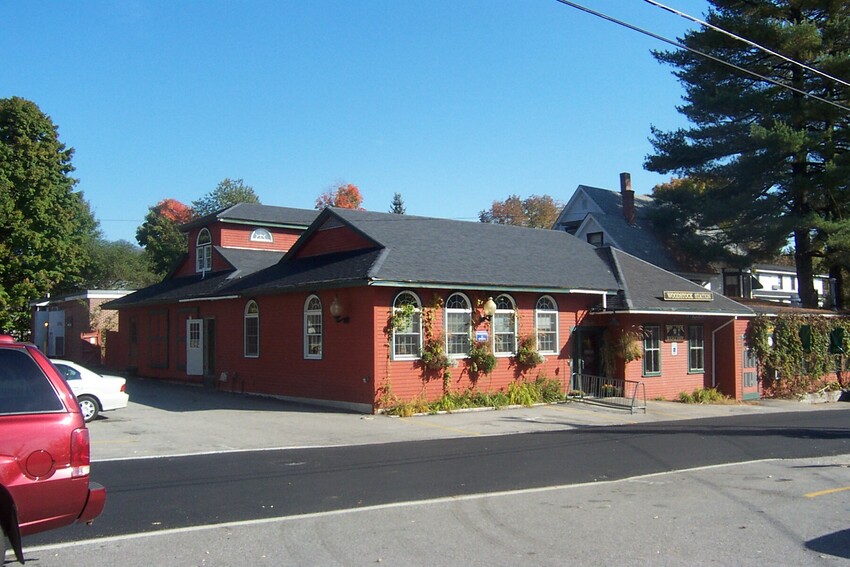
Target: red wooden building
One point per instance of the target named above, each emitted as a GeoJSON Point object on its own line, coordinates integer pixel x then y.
{"type": "Point", "coordinates": [298, 304]}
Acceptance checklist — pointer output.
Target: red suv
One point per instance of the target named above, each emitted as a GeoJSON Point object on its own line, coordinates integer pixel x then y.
{"type": "Point", "coordinates": [44, 449]}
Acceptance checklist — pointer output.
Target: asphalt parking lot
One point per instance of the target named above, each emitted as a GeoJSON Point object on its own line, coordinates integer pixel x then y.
{"type": "Point", "coordinates": [168, 419]}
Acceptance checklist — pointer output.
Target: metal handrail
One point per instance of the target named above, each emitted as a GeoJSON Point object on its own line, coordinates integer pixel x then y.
{"type": "Point", "coordinates": [614, 392]}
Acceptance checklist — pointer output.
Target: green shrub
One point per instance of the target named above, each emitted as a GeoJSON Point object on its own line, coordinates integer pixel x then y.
{"type": "Point", "coordinates": [703, 396]}
{"type": "Point", "coordinates": [526, 354]}
{"type": "Point", "coordinates": [481, 360]}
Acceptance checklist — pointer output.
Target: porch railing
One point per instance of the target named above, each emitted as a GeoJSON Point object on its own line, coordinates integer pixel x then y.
{"type": "Point", "coordinates": [614, 392]}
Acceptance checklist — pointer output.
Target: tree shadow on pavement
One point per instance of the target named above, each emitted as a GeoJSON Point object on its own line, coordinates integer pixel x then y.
{"type": "Point", "coordinates": [836, 544]}
{"type": "Point", "coordinates": [176, 397]}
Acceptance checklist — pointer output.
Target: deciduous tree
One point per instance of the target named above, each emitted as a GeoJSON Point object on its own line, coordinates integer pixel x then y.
{"type": "Point", "coordinates": [775, 161]}
{"type": "Point", "coordinates": [536, 211]}
{"type": "Point", "coordinates": [227, 193]}
{"type": "Point", "coordinates": [160, 235]}
{"type": "Point", "coordinates": [344, 196]}
{"type": "Point", "coordinates": [118, 265]}
{"type": "Point", "coordinates": [45, 226]}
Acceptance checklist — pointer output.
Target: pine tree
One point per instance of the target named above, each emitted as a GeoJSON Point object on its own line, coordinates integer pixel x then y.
{"type": "Point", "coordinates": [774, 162]}
{"type": "Point", "coordinates": [398, 207]}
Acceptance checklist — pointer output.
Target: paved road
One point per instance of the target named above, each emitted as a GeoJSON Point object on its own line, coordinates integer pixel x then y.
{"type": "Point", "coordinates": [776, 513]}
{"type": "Point", "coordinates": [172, 419]}
{"type": "Point", "coordinates": [178, 492]}
{"type": "Point", "coordinates": [464, 494]}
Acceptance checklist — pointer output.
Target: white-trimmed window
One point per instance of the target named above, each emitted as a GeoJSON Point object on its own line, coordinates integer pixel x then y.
{"type": "Point", "coordinates": [458, 324]}
{"type": "Point", "coordinates": [504, 326]}
{"type": "Point", "coordinates": [261, 235]}
{"type": "Point", "coordinates": [252, 330]}
{"type": "Point", "coordinates": [546, 325]}
{"type": "Point", "coordinates": [203, 251]}
{"type": "Point", "coordinates": [651, 350]}
{"type": "Point", "coordinates": [313, 327]}
{"type": "Point", "coordinates": [696, 348]}
{"type": "Point", "coordinates": [407, 340]}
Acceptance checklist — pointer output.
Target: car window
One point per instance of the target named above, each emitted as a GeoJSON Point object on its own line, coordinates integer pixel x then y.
{"type": "Point", "coordinates": [68, 372]}
{"type": "Point", "coordinates": [23, 386]}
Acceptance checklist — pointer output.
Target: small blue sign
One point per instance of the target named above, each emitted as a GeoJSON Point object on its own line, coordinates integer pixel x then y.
{"type": "Point", "coordinates": [481, 336]}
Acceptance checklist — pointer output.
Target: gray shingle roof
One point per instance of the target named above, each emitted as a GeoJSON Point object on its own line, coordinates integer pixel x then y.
{"type": "Point", "coordinates": [440, 251]}
{"type": "Point", "coordinates": [249, 261]}
{"type": "Point", "coordinates": [244, 263]}
{"type": "Point", "coordinates": [644, 285]}
{"type": "Point", "coordinates": [446, 253]}
{"type": "Point", "coordinates": [640, 239]}
{"type": "Point", "coordinates": [258, 214]}
{"type": "Point", "coordinates": [173, 290]}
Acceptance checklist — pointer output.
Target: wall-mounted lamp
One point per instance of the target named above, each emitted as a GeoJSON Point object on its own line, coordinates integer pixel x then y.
{"type": "Point", "coordinates": [489, 309]}
{"type": "Point", "coordinates": [337, 310]}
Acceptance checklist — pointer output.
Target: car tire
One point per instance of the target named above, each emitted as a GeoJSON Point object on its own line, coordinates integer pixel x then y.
{"type": "Point", "coordinates": [89, 407]}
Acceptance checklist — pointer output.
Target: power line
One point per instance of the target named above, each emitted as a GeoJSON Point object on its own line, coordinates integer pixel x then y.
{"type": "Point", "coordinates": [747, 41]}
{"type": "Point", "coordinates": [700, 53]}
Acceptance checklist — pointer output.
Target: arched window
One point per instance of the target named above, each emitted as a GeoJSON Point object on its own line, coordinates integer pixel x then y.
{"type": "Point", "coordinates": [546, 325]}
{"type": "Point", "coordinates": [252, 330]}
{"type": "Point", "coordinates": [203, 251]}
{"type": "Point", "coordinates": [313, 327]}
{"type": "Point", "coordinates": [407, 339]}
{"type": "Point", "coordinates": [261, 235]}
{"type": "Point", "coordinates": [504, 326]}
{"type": "Point", "coordinates": [458, 324]}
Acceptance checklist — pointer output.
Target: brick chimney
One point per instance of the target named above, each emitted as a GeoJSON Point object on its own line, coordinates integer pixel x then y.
{"type": "Point", "coordinates": [628, 198]}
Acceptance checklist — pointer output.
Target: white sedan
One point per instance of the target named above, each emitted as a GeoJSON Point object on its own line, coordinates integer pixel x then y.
{"type": "Point", "coordinates": [95, 393]}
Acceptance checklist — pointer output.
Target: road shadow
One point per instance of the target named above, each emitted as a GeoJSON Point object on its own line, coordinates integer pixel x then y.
{"type": "Point", "coordinates": [836, 544]}
{"type": "Point", "coordinates": [176, 397]}
{"type": "Point", "coordinates": [800, 426]}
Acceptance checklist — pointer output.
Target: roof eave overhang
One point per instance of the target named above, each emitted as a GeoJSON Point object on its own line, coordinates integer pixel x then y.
{"type": "Point", "coordinates": [269, 224]}
{"type": "Point", "coordinates": [210, 298]}
{"type": "Point", "coordinates": [671, 312]}
{"type": "Point", "coordinates": [493, 287]}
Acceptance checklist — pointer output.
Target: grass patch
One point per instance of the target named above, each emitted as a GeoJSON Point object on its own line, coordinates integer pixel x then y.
{"type": "Point", "coordinates": [704, 396]}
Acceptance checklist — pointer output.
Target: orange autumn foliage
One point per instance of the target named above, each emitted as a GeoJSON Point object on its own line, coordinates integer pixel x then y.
{"type": "Point", "coordinates": [346, 196]}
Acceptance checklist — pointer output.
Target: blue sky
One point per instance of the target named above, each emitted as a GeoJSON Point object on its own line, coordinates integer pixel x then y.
{"type": "Point", "coordinates": [451, 103]}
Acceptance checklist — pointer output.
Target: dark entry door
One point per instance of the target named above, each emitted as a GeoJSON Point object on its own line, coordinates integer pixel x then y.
{"type": "Point", "coordinates": [209, 352]}
{"type": "Point", "coordinates": [587, 342]}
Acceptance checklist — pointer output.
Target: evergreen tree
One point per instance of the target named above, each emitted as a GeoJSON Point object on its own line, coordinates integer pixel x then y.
{"type": "Point", "coordinates": [774, 162]}
{"type": "Point", "coordinates": [45, 226]}
{"type": "Point", "coordinates": [227, 193]}
{"type": "Point", "coordinates": [398, 207]}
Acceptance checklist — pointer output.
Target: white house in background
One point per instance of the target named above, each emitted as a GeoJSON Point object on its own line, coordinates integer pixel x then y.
{"type": "Point", "coordinates": [621, 219]}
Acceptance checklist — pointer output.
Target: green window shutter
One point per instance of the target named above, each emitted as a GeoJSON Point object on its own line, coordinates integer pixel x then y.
{"type": "Point", "coordinates": [806, 337]}
{"type": "Point", "coordinates": [836, 341]}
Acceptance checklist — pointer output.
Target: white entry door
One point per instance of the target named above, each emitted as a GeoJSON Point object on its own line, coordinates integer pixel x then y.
{"type": "Point", "coordinates": [194, 347]}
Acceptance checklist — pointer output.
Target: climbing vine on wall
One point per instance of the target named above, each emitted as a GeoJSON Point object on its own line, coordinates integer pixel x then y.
{"type": "Point", "coordinates": [787, 363]}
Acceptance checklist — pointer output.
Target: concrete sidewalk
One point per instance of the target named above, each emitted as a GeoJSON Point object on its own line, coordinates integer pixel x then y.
{"type": "Point", "coordinates": [165, 419]}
